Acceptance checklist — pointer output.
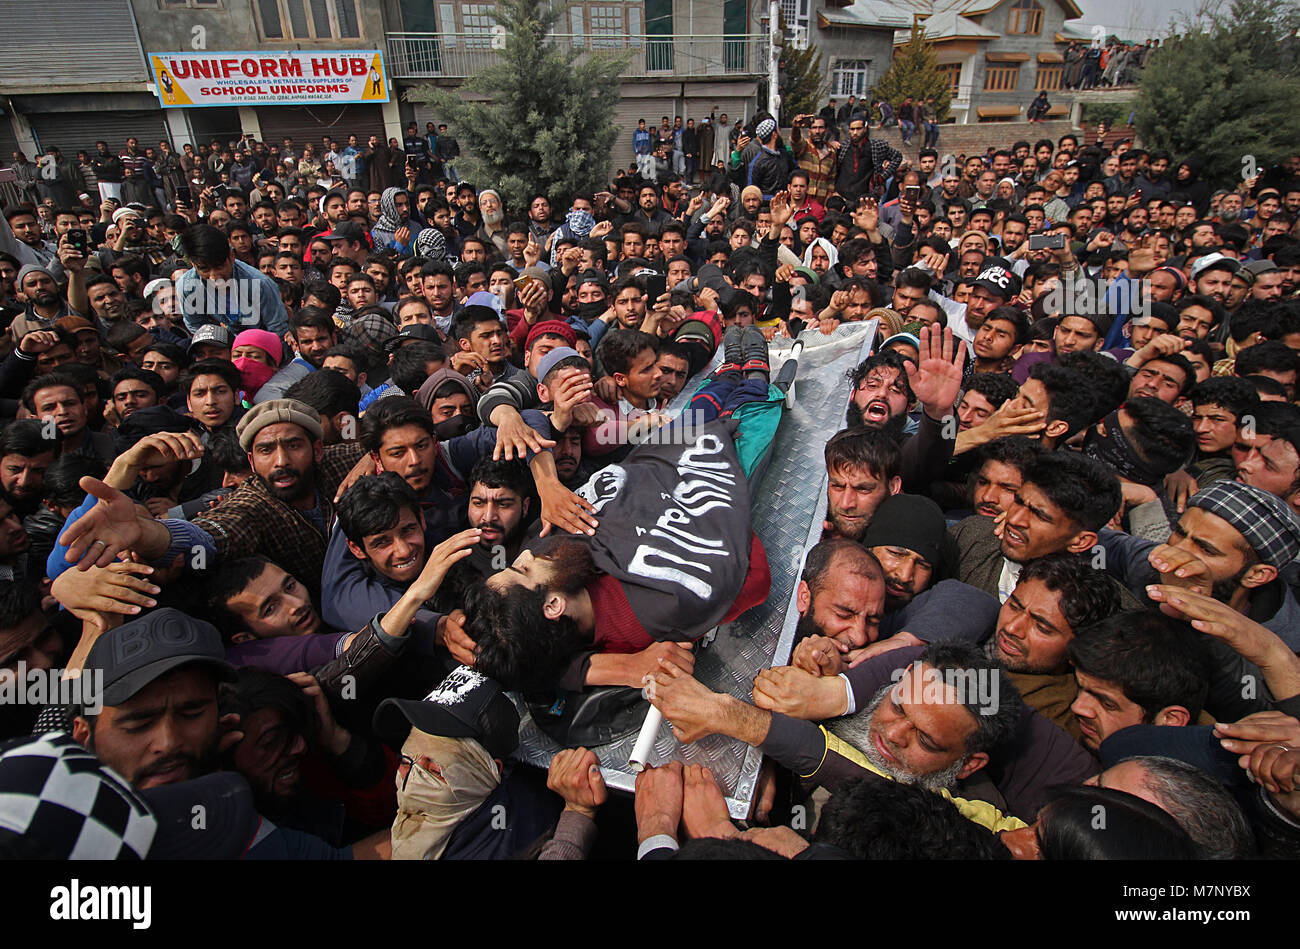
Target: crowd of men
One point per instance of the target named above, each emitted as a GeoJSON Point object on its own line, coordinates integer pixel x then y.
{"type": "Point", "coordinates": [302, 474]}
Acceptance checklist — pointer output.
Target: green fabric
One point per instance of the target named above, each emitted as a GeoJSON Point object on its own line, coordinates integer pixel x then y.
{"type": "Point", "coordinates": [757, 422]}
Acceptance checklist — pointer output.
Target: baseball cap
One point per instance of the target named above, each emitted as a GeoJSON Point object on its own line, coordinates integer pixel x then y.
{"type": "Point", "coordinates": [466, 704]}
{"type": "Point", "coordinates": [345, 231]}
{"type": "Point", "coordinates": [76, 324]}
{"type": "Point", "coordinates": [230, 819]}
{"type": "Point", "coordinates": [1249, 271]}
{"type": "Point", "coordinates": [548, 362]}
{"type": "Point", "coordinates": [212, 334]}
{"type": "Point", "coordinates": [417, 331]}
{"type": "Point", "coordinates": [1215, 262]}
{"type": "Point", "coordinates": [1000, 280]}
{"type": "Point", "coordinates": [140, 651]}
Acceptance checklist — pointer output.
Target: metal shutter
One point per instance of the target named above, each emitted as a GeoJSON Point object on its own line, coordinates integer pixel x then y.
{"type": "Point", "coordinates": [74, 131]}
{"type": "Point", "coordinates": [68, 42]}
{"type": "Point", "coordinates": [627, 112]}
{"type": "Point", "coordinates": [308, 123]}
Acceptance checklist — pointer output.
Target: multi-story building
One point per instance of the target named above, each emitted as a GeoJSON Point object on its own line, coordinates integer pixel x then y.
{"type": "Point", "coordinates": [74, 71]}
{"type": "Point", "coordinates": [688, 57]}
{"type": "Point", "coordinates": [998, 53]}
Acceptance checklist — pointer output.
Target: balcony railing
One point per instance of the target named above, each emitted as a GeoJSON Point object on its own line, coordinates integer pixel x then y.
{"type": "Point", "coordinates": [461, 55]}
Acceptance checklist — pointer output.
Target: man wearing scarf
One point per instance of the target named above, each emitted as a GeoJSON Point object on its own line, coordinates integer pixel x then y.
{"type": "Point", "coordinates": [395, 230]}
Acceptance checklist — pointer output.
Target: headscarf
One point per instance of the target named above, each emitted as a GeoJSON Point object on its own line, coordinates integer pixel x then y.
{"type": "Point", "coordinates": [825, 245]}
{"type": "Point", "coordinates": [389, 217]}
{"type": "Point", "coordinates": [424, 395]}
{"type": "Point", "coordinates": [430, 244]}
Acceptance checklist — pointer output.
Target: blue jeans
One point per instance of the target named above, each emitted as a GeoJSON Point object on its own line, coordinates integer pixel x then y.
{"type": "Point", "coordinates": [907, 128]}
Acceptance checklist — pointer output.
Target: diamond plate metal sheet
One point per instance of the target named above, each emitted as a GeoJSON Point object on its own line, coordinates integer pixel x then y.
{"type": "Point", "coordinates": [787, 511]}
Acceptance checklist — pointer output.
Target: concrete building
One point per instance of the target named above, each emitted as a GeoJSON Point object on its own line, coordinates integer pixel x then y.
{"type": "Point", "coordinates": [998, 53]}
{"type": "Point", "coordinates": [688, 56]}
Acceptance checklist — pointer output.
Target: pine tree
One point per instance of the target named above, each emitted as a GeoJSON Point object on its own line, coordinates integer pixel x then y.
{"type": "Point", "coordinates": [548, 120]}
{"type": "Point", "coordinates": [914, 72]}
{"type": "Point", "coordinates": [1225, 90]}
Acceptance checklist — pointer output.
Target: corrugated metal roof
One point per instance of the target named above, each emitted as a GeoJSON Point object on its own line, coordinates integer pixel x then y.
{"type": "Point", "coordinates": [948, 25]}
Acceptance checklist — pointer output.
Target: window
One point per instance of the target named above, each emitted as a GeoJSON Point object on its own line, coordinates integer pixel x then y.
{"type": "Point", "coordinates": [952, 72]}
{"type": "Point", "coordinates": [659, 35]}
{"type": "Point", "coordinates": [1026, 17]}
{"type": "Point", "coordinates": [1049, 77]}
{"type": "Point", "coordinates": [606, 27]}
{"type": "Point", "coordinates": [478, 21]}
{"type": "Point", "coordinates": [1001, 78]}
{"type": "Point", "coordinates": [796, 15]}
{"type": "Point", "coordinates": [851, 77]}
{"type": "Point", "coordinates": [306, 19]}
{"type": "Point", "coordinates": [182, 4]}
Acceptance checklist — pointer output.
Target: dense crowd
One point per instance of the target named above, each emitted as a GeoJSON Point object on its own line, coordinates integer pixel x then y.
{"type": "Point", "coordinates": [312, 456]}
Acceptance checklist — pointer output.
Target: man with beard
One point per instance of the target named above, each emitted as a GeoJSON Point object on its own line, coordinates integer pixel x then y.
{"type": "Point", "coordinates": [159, 722]}
{"type": "Point", "coordinates": [394, 231]}
{"type": "Point", "coordinates": [1233, 543]}
{"type": "Point", "coordinates": [816, 157]}
{"type": "Point", "coordinates": [862, 468]}
{"type": "Point", "coordinates": [908, 536]}
{"type": "Point", "coordinates": [1212, 276]}
{"type": "Point", "coordinates": [927, 727]}
{"type": "Point", "coordinates": [25, 453]}
{"type": "Point", "coordinates": [1056, 597]}
{"type": "Point", "coordinates": [401, 438]}
{"type": "Point", "coordinates": [845, 605]}
{"type": "Point", "coordinates": [313, 334]}
{"type": "Point", "coordinates": [1062, 503]}
{"type": "Point", "coordinates": [284, 511]}
{"type": "Point", "coordinates": [284, 721]}
{"type": "Point", "coordinates": [500, 497]}
{"type": "Point", "coordinates": [886, 385]}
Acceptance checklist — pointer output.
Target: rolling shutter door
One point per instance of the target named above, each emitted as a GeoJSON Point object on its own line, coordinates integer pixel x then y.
{"type": "Point", "coordinates": [74, 131]}
{"type": "Point", "coordinates": [308, 123]}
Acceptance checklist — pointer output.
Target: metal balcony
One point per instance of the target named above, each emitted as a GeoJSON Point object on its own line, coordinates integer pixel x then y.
{"type": "Point", "coordinates": [461, 55]}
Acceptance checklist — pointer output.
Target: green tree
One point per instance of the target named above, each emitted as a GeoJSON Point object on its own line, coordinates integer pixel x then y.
{"type": "Point", "coordinates": [1225, 90]}
{"type": "Point", "coordinates": [541, 118]}
{"type": "Point", "coordinates": [914, 72]}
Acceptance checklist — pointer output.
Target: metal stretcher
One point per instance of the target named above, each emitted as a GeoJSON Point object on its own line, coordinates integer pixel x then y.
{"type": "Point", "coordinates": [787, 512]}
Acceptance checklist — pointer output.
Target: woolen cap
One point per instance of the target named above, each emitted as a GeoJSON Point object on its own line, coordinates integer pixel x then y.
{"type": "Point", "coordinates": [273, 412]}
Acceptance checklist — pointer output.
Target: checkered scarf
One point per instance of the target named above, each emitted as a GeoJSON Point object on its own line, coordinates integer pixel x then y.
{"type": "Point", "coordinates": [60, 795]}
{"type": "Point", "coordinates": [1262, 518]}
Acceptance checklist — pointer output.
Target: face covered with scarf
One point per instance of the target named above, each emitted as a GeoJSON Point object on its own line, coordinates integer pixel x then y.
{"type": "Point", "coordinates": [256, 354]}
{"type": "Point", "coordinates": [440, 782]}
{"type": "Point", "coordinates": [393, 213]}
{"type": "Point", "coordinates": [1107, 442]}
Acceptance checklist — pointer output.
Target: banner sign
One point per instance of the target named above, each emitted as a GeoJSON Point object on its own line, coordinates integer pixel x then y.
{"type": "Point", "coordinates": [293, 77]}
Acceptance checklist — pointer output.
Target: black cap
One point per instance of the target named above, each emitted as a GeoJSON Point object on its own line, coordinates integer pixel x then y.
{"type": "Point", "coordinates": [466, 704]}
{"type": "Point", "coordinates": [230, 819]}
{"type": "Point", "coordinates": [1000, 280]}
{"type": "Point", "coordinates": [136, 653]}
{"type": "Point", "coordinates": [420, 331]}
{"type": "Point", "coordinates": [911, 521]}
{"type": "Point", "coordinates": [344, 231]}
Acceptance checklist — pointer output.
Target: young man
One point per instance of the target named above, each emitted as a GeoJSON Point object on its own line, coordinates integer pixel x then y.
{"type": "Point", "coordinates": [311, 333]}
{"type": "Point", "coordinates": [1062, 503]}
{"type": "Point", "coordinates": [631, 359]}
{"type": "Point", "coordinates": [1219, 407]}
{"type": "Point", "coordinates": [57, 397]}
{"type": "Point", "coordinates": [999, 338]}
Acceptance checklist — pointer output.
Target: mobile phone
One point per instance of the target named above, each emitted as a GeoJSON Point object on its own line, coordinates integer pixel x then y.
{"type": "Point", "coordinates": [1138, 194]}
{"type": "Point", "coordinates": [522, 283]}
{"type": "Point", "coordinates": [77, 240]}
{"type": "Point", "coordinates": [913, 193]}
{"type": "Point", "coordinates": [183, 193]}
{"type": "Point", "coordinates": [655, 286]}
{"type": "Point", "coordinates": [1046, 241]}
